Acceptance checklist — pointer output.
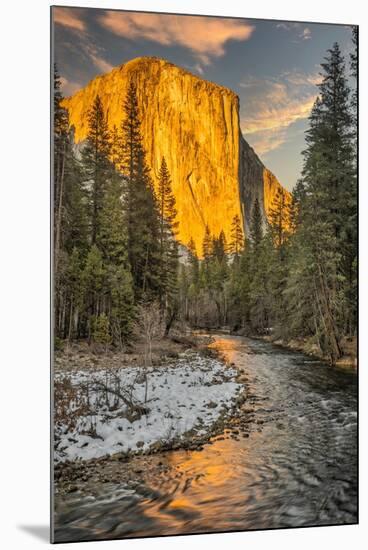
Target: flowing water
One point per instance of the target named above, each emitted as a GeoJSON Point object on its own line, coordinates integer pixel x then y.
{"type": "Point", "coordinates": [298, 467]}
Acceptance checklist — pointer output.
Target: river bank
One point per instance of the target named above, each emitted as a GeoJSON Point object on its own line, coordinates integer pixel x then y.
{"type": "Point", "coordinates": [349, 357]}
{"type": "Point", "coordinates": [349, 348]}
{"type": "Point", "coordinates": [202, 396]}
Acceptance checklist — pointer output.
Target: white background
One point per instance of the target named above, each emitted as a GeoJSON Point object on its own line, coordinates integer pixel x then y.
{"type": "Point", "coordinates": [24, 272]}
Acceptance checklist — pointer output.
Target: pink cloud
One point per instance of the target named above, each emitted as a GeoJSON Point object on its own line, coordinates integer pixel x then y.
{"type": "Point", "coordinates": [205, 36]}
{"type": "Point", "coordinates": [68, 17]}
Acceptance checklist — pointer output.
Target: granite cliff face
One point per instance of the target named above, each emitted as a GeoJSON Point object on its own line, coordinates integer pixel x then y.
{"type": "Point", "coordinates": [256, 182]}
{"type": "Point", "coordinates": [194, 124]}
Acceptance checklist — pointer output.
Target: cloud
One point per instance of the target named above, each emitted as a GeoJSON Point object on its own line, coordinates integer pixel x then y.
{"type": "Point", "coordinates": [301, 79]}
{"type": "Point", "coordinates": [94, 53]}
{"type": "Point", "coordinates": [270, 129]}
{"type": "Point", "coordinates": [272, 118]}
{"type": "Point", "coordinates": [102, 64]}
{"type": "Point", "coordinates": [270, 107]}
{"type": "Point", "coordinates": [281, 26]}
{"type": "Point", "coordinates": [206, 37]}
{"type": "Point", "coordinates": [287, 26]}
{"type": "Point", "coordinates": [70, 18]}
{"type": "Point", "coordinates": [198, 68]}
{"type": "Point", "coordinates": [306, 34]}
{"type": "Point", "coordinates": [265, 142]}
{"type": "Point", "coordinates": [303, 33]}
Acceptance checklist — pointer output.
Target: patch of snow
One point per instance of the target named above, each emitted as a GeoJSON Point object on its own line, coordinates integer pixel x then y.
{"type": "Point", "coordinates": [180, 397]}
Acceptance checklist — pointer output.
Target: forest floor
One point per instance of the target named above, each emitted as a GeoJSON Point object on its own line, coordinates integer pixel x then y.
{"type": "Point", "coordinates": [114, 417]}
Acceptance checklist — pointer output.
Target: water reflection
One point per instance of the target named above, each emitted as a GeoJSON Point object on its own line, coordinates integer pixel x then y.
{"type": "Point", "coordinates": [227, 346]}
{"type": "Point", "coordinates": [297, 467]}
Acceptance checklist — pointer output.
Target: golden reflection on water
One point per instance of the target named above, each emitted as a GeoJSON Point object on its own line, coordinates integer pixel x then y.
{"type": "Point", "coordinates": [198, 463]}
{"type": "Point", "coordinates": [228, 348]}
{"type": "Point", "coordinates": [210, 484]}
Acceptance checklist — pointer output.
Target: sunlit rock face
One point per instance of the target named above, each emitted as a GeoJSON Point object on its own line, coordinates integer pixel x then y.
{"type": "Point", "coordinates": [256, 182]}
{"type": "Point", "coordinates": [194, 124]}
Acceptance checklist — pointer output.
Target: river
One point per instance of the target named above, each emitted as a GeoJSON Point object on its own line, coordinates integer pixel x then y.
{"type": "Point", "coordinates": [298, 467]}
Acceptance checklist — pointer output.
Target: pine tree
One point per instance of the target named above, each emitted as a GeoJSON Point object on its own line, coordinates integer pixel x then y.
{"type": "Point", "coordinates": [214, 275]}
{"type": "Point", "coordinates": [70, 220]}
{"type": "Point", "coordinates": [326, 228]}
{"type": "Point", "coordinates": [207, 246]}
{"type": "Point", "coordinates": [142, 209]}
{"type": "Point", "coordinates": [75, 220]}
{"type": "Point", "coordinates": [279, 218]}
{"type": "Point", "coordinates": [241, 300]}
{"type": "Point", "coordinates": [237, 238]}
{"type": "Point", "coordinates": [113, 223]}
{"type": "Point", "coordinates": [74, 293]}
{"type": "Point", "coordinates": [219, 247]}
{"type": "Point", "coordinates": [122, 311]}
{"type": "Point", "coordinates": [114, 246]}
{"type": "Point", "coordinates": [96, 164]}
{"type": "Point", "coordinates": [166, 201]}
{"type": "Point", "coordinates": [329, 143]}
{"type": "Point", "coordinates": [116, 148]}
{"type": "Point", "coordinates": [94, 286]}
{"type": "Point", "coordinates": [167, 233]}
{"type": "Point", "coordinates": [260, 294]}
{"type": "Point", "coordinates": [101, 330]}
{"type": "Point", "coordinates": [354, 72]}
{"type": "Point", "coordinates": [256, 225]}
{"type": "Point", "coordinates": [61, 149]}
{"type": "Point", "coordinates": [352, 265]}
{"type": "Point", "coordinates": [189, 284]}
{"type": "Point", "coordinates": [255, 269]}
{"type": "Point", "coordinates": [193, 261]}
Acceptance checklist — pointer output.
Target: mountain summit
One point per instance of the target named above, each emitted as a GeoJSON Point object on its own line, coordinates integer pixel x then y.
{"type": "Point", "coordinates": [194, 124]}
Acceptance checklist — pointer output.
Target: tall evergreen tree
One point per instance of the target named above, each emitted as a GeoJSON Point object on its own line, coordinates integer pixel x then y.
{"type": "Point", "coordinates": [256, 225]}
{"type": "Point", "coordinates": [167, 232]}
{"type": "Point", "coordinates": [237, 239]}
{"type": "Point", "coordinates": [257, 293]}
{"type": "Point", "coordinates": [114, 248]}
{"type": "Point", "coordinates": [207, 246]}
{"type": "Point", "coordinates": [61, 150]}
{"type": "Point", "coordinates": [279, 218]}
{"type": "Point", "coordinates": [329, 146]}
{"type": "Point", "coordinates": [168, 226]}
{"type": "Point", "coordinates": [70, 221]}
{"type": "Point", "coordinates": [354, 72]}
{"type": "Point", "coordinates": [219, 247]}
{"type": "Point", "coordinates": [94, 288]}
{"type": "Point", "coordinates": [142, 209]}
{"type": "Point", "coordinates": [193, 261]}
{"type": "Point", "coordinates": [166, 202]}
{"type": "Point", "coordinates": [96, 164]}
{"type": "Point", "coordinates": [326, 232]}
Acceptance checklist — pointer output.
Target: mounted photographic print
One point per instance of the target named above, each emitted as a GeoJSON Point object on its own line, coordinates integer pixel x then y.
{"type": "Point", "coordinates": [204, 365]}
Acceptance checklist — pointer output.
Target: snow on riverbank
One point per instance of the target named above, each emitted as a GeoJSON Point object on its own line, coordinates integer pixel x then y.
{"type": "Point", "coordinates": [92, 422]}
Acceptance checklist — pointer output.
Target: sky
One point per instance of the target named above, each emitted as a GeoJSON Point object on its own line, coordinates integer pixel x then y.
{"type": "Point", "coordinates": [273, 66]}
